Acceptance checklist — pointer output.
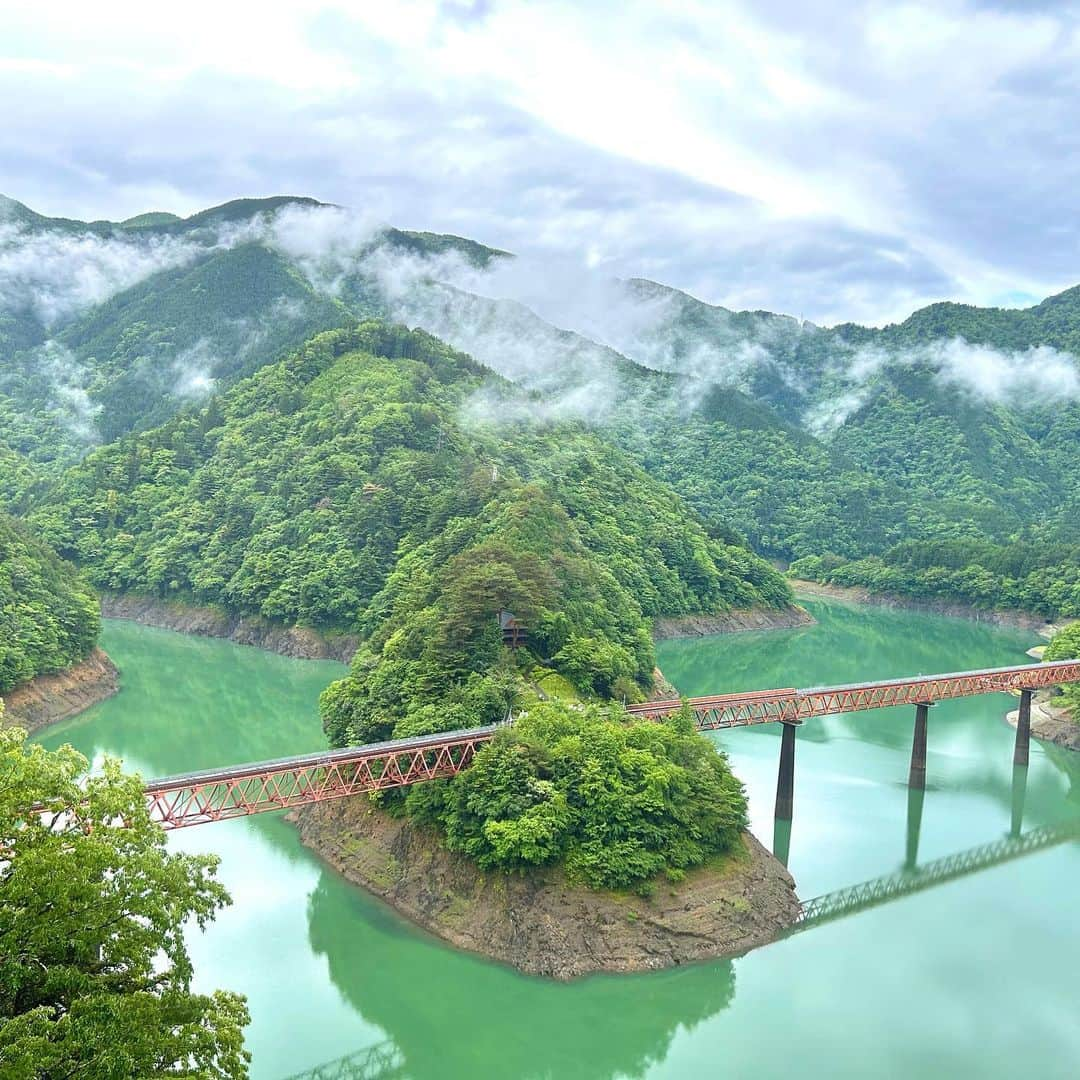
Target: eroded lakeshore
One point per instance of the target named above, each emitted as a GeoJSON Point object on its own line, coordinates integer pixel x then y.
{"type": "Point", "coordinates": [300, 642]}
{"type": "Point", "coordinates": [48, 699]}
{"type": "Point", "coordinates": [537, 921]}
{"type": "Point", "coordinates": [1006, 617]}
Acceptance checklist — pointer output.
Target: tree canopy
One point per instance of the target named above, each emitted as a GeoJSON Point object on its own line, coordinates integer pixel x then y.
{"type": "Point", "coordinates": [615, 801]}
{"type": "Point", "coordinates": [95, 977]}
{"type": "Point", "coordinates": [49, 615]}
{"type": "Point", "coordinates": [1065, 645]}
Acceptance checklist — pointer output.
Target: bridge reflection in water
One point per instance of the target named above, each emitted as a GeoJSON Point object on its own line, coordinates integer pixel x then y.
{"type": "Point", "coordinates": [883, 890]}
{"type": "Point", "coordinates": [386, 1061]}
{"type": "Point", "coordinates": [383, 1061]}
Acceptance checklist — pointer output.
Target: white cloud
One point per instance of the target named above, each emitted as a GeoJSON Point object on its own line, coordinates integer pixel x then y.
{"type": "Point", "coordinates": [1018, 378]}
{"type": "Point", "coordinates": [56, 274]}
{"type": "Point", "coordinates": [1034, 376]}
{"type": "Point", "coordinates": [829, 161]}
{"type": "Point", "coordinates": [193, 368]}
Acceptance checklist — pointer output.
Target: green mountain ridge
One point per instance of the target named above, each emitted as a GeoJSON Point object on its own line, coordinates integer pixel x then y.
{"type": "Point", "coordinates": [755, 418]}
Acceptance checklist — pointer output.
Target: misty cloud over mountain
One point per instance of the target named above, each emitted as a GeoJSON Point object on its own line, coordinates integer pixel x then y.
{"type": "Point", "coordinates": [567, 331]}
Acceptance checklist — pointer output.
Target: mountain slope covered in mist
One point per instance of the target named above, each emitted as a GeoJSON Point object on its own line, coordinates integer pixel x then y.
{"type": "Point", "coordinates": [295, 494]}
{"type": "Point", "coordinates": [958, 424]}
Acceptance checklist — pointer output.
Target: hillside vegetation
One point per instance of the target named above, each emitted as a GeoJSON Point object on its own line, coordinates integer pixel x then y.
{"type": "Point", "coordinates": [342, 488]}
{"type": "Point", "coordinates": [616, 802]}
{"type": "Point", "coordinates": [1066, 646]}
{"type": "Point", "coordinates": [849, 444]}
{"type": "Point", "coordinates": [49, 616]}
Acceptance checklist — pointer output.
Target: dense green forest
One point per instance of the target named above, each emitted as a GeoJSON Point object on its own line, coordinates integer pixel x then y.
{"type": "Point", "coordinates": [49, 616]}
{"type": "Point", "coordinates": [341, 488]}
{"type": "Point", "coordinates": [801, 440]}
{"type": "Point", "coordinates": [917, 485]}
{"type": "Point", "coordinates": [1065, 645]}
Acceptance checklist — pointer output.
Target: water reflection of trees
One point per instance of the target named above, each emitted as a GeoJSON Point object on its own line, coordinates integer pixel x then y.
{"type": "Point", "coordinates": [453, 1015]}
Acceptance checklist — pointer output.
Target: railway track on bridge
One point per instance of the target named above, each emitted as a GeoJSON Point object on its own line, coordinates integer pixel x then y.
{"type": "Point", "coordinates": [210, 795]}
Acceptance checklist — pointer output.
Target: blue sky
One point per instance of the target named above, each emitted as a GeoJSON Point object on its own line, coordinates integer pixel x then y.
{"type": "Point", "coordinates": [830, 160]}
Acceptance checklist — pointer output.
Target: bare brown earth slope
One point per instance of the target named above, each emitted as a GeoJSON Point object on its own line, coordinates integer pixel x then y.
{"type": "Point", "coordinates": [49, 698]}
{"type": "Point", "coordinates": [537, 921]}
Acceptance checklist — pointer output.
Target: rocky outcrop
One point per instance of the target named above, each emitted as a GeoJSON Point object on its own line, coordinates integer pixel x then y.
{"type": "Point", "coordinates": [540, 923]}
{"type": "Point", "coordinates": [731, 622]}
{"type": "Point", "coordinates": [1050, 722]}
{"type": "Point", "coordinates": [49, 698]}
{"type": "Point", "coordinates": [1024, 620]}
{"type": "Point", "coordinates": [301, 642]}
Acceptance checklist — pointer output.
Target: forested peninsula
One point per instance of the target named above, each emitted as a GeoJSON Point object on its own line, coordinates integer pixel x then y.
{"type": "Point", "coordinates": [366, 450]}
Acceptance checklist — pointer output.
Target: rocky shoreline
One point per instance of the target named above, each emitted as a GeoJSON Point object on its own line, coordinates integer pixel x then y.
{"type": "Point", "coordinates": [297, 641]}
{"type": "Point", "coordinates": [1023, 620]}
{"type": "Point", "coordinates": [731, 622]}
{"type": "Point", "coordinates": [1050, 723]}
{"type": "Point", "coordinates": [538, 922]}
{"type": "Point", "coordinates": [57, 696]}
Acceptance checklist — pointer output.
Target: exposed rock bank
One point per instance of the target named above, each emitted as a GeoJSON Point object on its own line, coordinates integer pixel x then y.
{"type": "Point", "coordinates": [1050, 722]}
{"type": "Point", "coordinates": [731, 622]}
{"type": "Point", "coordinates": [1024, 620]}
{"type": "Point", "coordinates": [298, 641]}
{"type": "Point", "coordinates": [538, 922]}
{"type": "Point", "coordinates": [50, 698]}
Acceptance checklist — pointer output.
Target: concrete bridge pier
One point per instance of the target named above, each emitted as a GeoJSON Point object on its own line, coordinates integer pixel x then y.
{"type": "Point", "coordinates": [917, 775]}
{"type": "Point", "coordinates": [785, 780]}
{"type": "Point", "coordinates": [1023, 728]}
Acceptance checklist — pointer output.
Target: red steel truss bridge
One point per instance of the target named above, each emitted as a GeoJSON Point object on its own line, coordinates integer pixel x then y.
{"type": "Point", "coordinates": [240, 790]}
{"type": "Point", "coordinates": [793, 706]}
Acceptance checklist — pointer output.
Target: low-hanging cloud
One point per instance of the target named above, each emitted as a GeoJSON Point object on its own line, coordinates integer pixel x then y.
{"type": "Point", "coordinates": [69, 400]}
{"type": "Point", "coordinates": [193, 368]}
{"type": "Point", "coordinates": [1018, 378]}
{"type": "Point", "coordinates": [558, 327]}
{"type": "Point", "coordinates": [56, 274]}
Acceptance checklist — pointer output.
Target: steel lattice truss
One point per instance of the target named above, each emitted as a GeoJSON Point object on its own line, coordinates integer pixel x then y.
{"type": "Point", "coordinates": [237, 791]}
{"type": "Point", "coordinates": [793, 706]}
{"type": "Point", "coordinates": [217, 794]}
{"type": "Point", "coordinates": [383, 1061]}
{"type": "Point", "coordinates": [881, 890]}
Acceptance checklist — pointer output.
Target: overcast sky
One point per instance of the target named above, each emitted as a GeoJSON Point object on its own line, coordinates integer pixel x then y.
{"type": "Point", "coordinates": [830, 160]}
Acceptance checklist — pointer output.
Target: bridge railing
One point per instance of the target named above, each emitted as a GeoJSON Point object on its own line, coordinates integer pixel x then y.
{"type": "Point", "coordinates": [240, 790]}
{"type": "Point", "coordinates": [793, 706]}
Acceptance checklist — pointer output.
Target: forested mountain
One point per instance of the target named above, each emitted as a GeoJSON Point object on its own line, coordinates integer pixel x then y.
{"type": "Point", "coordinates": [959, 426]}
{"type": "Point", "coordinates": [110, 327]}
{"type": "Point", "coordinates": [49, 615]}
{"type": "Point", "coordinates": [346, 486]}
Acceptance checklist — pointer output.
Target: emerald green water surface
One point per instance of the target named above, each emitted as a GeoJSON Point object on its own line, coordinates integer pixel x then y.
{"type": "Point", "coordinates": [976, 977]}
